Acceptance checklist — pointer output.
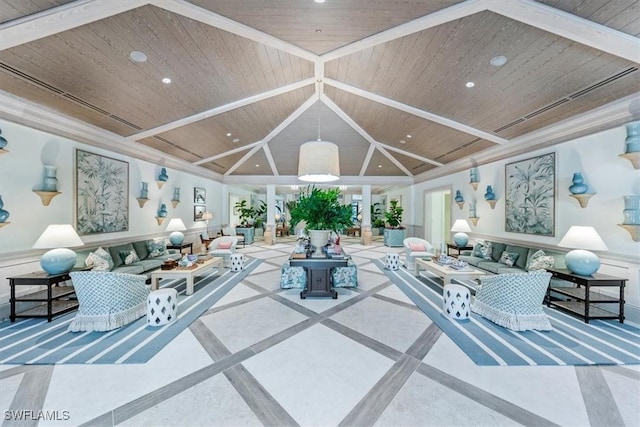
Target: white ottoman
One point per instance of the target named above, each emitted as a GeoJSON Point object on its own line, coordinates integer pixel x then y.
{"type": "Point", "coordinates": [162, 307]}
{"type": "Point", "coordinates": [237, 262]}
{"type": "Point", "coordinates": [393, 261]}
{"type": "Point", "coordinates": [457, 301]}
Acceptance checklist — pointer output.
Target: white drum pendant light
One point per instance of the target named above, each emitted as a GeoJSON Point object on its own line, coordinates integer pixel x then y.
{"type": "Point", "coordinates": [319, 161]}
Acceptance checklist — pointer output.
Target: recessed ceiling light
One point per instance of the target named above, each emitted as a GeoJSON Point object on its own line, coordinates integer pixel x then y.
{"type": "Point", "coordinates": [236, 140]}
{"type": "Point", "coordinates": [138, 56]}
{"type": "Point", "coordinates": [166, 80]}
{"type": "Point", "coordinates": [257, 165]}
{"type": "Point", "coordinates": [409, 136]}
{"type": "Point", "coordinates": [402, 141]}
{"type": "Point", "coordinates": [379, 166]}
{"type": "Point", "coordinates": [498, 61]}
{"type": "Point", "coordinates": [318, 30]}
{"type": "Point", "coordinates": [228, 133]}
{"type": "Point", "coordinates": [470, 84]}
{"type": "Point", "coordinates": [319, 1]}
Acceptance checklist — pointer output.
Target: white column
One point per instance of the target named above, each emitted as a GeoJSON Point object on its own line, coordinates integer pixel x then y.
{"type": "Point", "coordinates": [271, 209]}
{"type": "Point", "coordinates": [366, 205]}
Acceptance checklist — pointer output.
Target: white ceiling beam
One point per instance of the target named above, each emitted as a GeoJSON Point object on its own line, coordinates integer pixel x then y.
{"type": "Point", "coordinates": [272, 163]}
{"type": "Point", "coordinates": [367, 160]}
{"type": "Point", "coordinates": [227, 153]}
{"type": "Point", "coordinates": [569, 26]}
{"type": "Point", "coordinates": [286, 122]}
{"type": "Point", "coordinates": [440, 17]}
{"type": "Point", "coordinates": [72, 15]}
{"type": "Point", "coordinates": [205, 16]}
{"type": "Point", "coordinates": [334, 107]}
{"type": "Point", "coordinates": [221, 109]}
{"type": "Point", "coordinates": [408, 154]}
{"type": "Point", "coordinates": [415, 111]}
{"type": "Point", "coordinates": [293, 180]}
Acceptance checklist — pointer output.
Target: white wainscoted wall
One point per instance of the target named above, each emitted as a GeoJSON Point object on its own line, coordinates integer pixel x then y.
{"type": "Point", "coordinates": [21, 171]}
{"type": "Point", "coordinates": [608, 175]}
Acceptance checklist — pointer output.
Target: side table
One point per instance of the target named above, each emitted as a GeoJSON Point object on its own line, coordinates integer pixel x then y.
{"type": "Point", "coordinates": [182, 246]}
{"type": "Point", "coordinates": [51, 299]}
{"type": "Point", "coordinates": [582, 301]}
{"type": "Point", "coordinates": [458, 249]}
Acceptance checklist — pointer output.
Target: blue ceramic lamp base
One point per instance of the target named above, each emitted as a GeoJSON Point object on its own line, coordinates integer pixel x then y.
{"type": "Point", "coordinates": [582, 262]}
{"type": "Point", "coordinates": [461, 239]}
{"type": "Point", "coordinates": [176, 238]}
{"type": "Point", "coordinates": [57, 261]}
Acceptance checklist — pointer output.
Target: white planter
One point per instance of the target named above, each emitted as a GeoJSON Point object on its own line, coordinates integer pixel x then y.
{"type": "Point", "coordinates": [318, 240]}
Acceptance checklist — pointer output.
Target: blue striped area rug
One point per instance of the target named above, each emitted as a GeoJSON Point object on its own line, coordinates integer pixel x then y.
{"type": "Point", "coordinates": [571, 342]}
{"type": "Point", "coordinates": [36, 341]}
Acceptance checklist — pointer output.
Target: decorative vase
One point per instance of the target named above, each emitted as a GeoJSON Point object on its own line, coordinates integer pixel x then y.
{"type": "Point", "coordinates": [144, 192]}
{"type": "Point", "coordinates": [4, 214]}
{"type": "Point", "coordinates": [578, 187]}
{"type": "Point", "coordinates": [633, 137]}
{"type": "Point", "coordinates": [318, 240]}
{"type": "Point", "coordinates": [631, 210]}
{"type": "Point", "coordinates": [489, 195]}
{"type": "Point", "coordinates": [176, 194]}
{"type": "Point", "coordinates": [472, 210]}
{"type": "Point", "coordinates": [162, 212]}
{"type": "Point", "coordinates": [473, 175]}
{"type": "Point", "coordinates": [3, 142]}
{"type": "Point", "coordinates": [50, 179]}
{"type": "Point", "coordinates": [163, 175]}
{"type": "Point", "coordinates": [458, 197]}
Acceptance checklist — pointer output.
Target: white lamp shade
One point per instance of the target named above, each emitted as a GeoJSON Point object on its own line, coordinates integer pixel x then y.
{"type": "Point", "coordinates": [461, 225]}
{"type": "Point", "coordinates": [319, 161]}
{"type": "Point", "coordinates": [176, 224]}
{"type": "Point", "coordinates": [583, 237]}
{"type": "Point", "coordinates": [58, 236]}
{"type": "Point", "coordinates": [207, 216]}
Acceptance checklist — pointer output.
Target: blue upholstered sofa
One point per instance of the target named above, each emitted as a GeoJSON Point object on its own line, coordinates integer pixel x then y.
{"type": "Point", "coordinates": [150, 255]}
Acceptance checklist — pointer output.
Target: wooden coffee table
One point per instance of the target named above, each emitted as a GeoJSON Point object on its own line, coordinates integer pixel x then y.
{"type": "Point", "coordinates": [188, 274]}
{"type": "Point", "coordinates": [446, 273]}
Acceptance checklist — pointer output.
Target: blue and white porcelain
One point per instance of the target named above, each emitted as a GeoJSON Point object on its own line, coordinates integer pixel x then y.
{"type": "Point", "coordinates": [50, 178]}
{"type": "Point", "coordinates": [4, 214]}
{"type": "Point", "coordinates": [144, 192]}
{"type": "Point", "coordinates": [163, 175]}
{"type": "Point", "coordinates": [632, 141]}
{"type": "Point", "coordinates": [162, 212]}
{"type": "Point", "coordinates": [578, 186]}
{"type": "Point", "coordinates": [631, 210]}
{"type": "Point", "coordinates": [458, 197]}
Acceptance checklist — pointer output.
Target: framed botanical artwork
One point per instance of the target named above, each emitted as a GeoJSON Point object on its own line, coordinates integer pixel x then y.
{"type": "Point", "coordinates": [530, 195]}
{"type": "Point", "coordinates": [199, 195]}
{"type": "Point", "coordinates": [198, 212]}
{"type": "Point", "coordinates": [102, 194]}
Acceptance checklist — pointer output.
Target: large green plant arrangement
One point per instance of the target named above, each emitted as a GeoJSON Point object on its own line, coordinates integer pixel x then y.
{"type": "Point", "coordinates": [376, 216]}
{"type": "Point", "coordinates": [320, 209]}
{"type": "Point", "coordinates": [394, 215]}
{"type": "Point", "coordinates": [246, 214]}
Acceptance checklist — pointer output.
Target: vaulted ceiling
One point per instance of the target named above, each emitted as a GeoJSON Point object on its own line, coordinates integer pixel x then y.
{"type": "Point", "coordinates": [251, 80]}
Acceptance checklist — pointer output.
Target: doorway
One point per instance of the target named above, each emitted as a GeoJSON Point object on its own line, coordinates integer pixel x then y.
{"type": "Point", "coordinates": [437, 217]}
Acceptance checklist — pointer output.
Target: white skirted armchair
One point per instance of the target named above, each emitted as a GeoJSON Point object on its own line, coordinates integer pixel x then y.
{"type": "Point", "coordinates": [223, 247]}
{"type": "Point", "coordinates": [514, 301]}
{"type": "Point", "coordinates": [107, 300]}
{"type": "Point", "coordinates": [414, 247]}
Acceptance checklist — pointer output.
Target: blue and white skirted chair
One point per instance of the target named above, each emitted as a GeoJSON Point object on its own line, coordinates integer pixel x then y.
{"type": "Point", "coordinates": [514, 301]}
{"type": "Point", "coordinates": [107, 300]}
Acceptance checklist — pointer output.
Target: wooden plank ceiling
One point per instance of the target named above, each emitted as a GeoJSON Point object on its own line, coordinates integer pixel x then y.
{"type": "Point", "coordinates": [253, 80]}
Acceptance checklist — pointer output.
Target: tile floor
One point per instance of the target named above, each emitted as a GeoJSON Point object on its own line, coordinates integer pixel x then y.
{"type": "Point", "coordinates": [263, 356]}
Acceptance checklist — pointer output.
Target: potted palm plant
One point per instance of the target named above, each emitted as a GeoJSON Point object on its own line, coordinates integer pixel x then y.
{"type": "Point", "coordinates": [246, 215]}
{"type": "Point", "coordinates": [322, 213]}
{"type": "Point", "coordinates": [394, 234]}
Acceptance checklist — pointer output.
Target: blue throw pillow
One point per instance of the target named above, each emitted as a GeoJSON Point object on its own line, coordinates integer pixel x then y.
{"type": "Point", "coordinates": [508, 258]}
{"type": "Point", "coordinates": [482, 250]}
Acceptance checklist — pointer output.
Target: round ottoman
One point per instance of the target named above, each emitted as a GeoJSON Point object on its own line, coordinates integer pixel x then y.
{"type": "Point", "coordinates": [457, 301]}
{"type": "Point", "coordinates": [162, 307]}
{"type": "Point", "coordinates": [237, 262]}
{"type": "Point", "coordinates": [393, 261]}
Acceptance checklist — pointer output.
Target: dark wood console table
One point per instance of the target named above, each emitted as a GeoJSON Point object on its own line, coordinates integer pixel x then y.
{"type": "Point", "coordinates": [318, 270]}
{"type": "Point", "coordinates": [582, 301]}
{"type": "Point", "coordinates": [55, 300]}
{"type": "Point", "coordinates": [458, 249]}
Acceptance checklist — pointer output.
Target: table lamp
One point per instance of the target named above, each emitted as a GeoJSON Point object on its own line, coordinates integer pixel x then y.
{"type": "Point", "coordinates": [582, 239]}
{"type": "Point", "coordinates": [461, 227]}
{"type": "Point", "coordinates": [207, 216]}
{"type": "Point", "coordinates": [177, 226]}
{"type": "Point", "coordinates": [58, 237]}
